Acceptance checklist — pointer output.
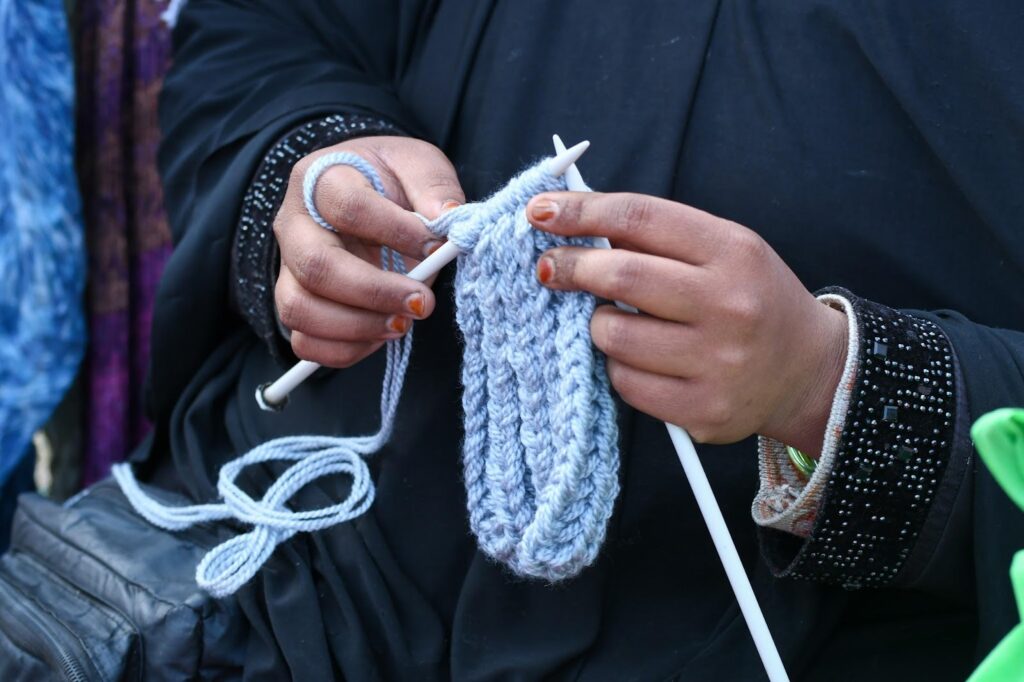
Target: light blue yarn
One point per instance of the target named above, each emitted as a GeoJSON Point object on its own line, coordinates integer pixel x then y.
{"type": "Point", "coordinates": [541, 443]}
{"type": "Point", "coordinates": [318, 168]}
{"type": "Point", "coordinates": [541, 447]}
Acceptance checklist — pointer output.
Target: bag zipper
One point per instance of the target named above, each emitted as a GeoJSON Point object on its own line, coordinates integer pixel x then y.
{"type": "Point", "coordinates": [42, 635]}
{"type": "Point", "coordinates": [133, 655]}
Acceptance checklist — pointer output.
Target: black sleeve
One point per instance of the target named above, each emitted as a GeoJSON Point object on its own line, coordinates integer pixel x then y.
{"type": "Point", "coordinates": [905, 505]}
{"type": "Point", "coordinates": [244, 75]}
{"type": "Point", "coordinates": [254, 257]}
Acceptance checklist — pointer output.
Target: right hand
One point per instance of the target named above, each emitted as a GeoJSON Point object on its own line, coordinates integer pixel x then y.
{"type": "Point", "coordinates": [331, 291]}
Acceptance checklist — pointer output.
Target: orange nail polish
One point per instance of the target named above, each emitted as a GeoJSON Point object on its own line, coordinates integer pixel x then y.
{"type": "Point", "coordinates": [431, 247]}
{"type": "Point", "coordinates": [415, 304]}
{"type": "Point", "coordinates": [543, 210]}
{"type": "Point", "coordinates": [545, 270]}
{"type": "Point", "coordinates": [449, 205]}
{"type": "Point", "coordinates": [398, 324]}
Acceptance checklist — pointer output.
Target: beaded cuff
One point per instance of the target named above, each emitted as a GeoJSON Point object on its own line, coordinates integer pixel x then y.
{"type": "Point", "coordinates": [896, 440]}
{"type": "Point", "coordinates": [254, 259]}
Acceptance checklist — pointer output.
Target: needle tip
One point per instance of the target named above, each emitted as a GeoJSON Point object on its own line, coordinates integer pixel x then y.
{"type": "Point", "coordinates": [565, 159]}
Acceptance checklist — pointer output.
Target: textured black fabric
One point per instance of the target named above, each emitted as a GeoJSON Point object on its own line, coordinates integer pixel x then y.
{"type": "Point", "coordinates": [900, 436]}
{"type": "Point", "coordinates": [254, 256]}
{"type": "Point", "coordinates": [872, 145]}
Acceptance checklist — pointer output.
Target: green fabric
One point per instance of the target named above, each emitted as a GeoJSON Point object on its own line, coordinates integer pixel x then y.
{"type": "Point", "coordinates": [999, 439]}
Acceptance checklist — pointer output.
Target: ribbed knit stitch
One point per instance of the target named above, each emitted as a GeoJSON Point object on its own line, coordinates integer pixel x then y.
{"type": "Point", "coordinates": [541, 441]}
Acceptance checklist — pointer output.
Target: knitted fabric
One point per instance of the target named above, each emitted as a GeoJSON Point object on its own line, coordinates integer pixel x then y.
{"type": "Point", "coordinates": [541, 440]}
{"type": "Point", "coordinates": [541, 448]}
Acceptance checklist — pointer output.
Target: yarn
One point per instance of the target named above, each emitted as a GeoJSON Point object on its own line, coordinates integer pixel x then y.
{"type": "Point", "coordinates": [540, 454]}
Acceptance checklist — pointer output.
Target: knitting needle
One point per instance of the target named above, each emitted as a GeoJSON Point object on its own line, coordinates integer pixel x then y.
{"type": "Point", "coordinates": [271, 397]}
{"type": "Point", "coordinates": [707, 503]}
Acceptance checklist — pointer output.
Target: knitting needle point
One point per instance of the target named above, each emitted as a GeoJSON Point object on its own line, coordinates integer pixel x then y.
{"type": "Point", "coordinates": [272, 397]}
{"type": "Point", "coordinates": [559, 164]}
{"type": "Point", "coordinates": [706, 501]}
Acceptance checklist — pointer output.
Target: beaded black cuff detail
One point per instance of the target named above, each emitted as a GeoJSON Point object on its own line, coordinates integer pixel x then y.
{"type": "Point", "coordinates": [254, 253]}
{"type": "Point", "coordinates": [897, 439]}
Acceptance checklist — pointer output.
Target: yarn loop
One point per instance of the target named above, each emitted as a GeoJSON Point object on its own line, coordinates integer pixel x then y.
{"type": "Point", "coordinates": [540, 454]}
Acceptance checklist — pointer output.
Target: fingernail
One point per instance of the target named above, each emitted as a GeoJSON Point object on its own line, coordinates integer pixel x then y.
{"type": "Point", "coordinates": [398, 324]}
{"type": "Point", "coordinates": [431, 246]}
{"type": "Point", "coordinates": [545, 269]}
{"type": "Point", "coordinates": [543, 210]}
{"type": "Point", "coordinates": [449, 205]}
{"type": "Point", "coordinates": [415, 304]}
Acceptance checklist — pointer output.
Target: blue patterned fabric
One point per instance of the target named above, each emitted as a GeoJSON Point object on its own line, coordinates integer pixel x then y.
{"type": "Point", "coordinates": [42, 261]}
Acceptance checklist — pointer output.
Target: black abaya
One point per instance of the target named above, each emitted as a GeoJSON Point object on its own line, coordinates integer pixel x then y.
{"type": "Point", "coordinates": [876, 145]}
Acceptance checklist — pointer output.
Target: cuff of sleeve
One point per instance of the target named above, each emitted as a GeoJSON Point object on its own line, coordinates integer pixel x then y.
{"type": "Point", "coordinates": [787, 500]}
{"type": "Point", "coordinates": [894, 445]}
{"type": "Point", "coordinates": [254, 262]}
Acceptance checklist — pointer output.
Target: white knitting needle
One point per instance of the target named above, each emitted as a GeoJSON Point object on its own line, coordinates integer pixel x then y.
{"type": "Point", "coordinates": [707, 503]}
{"type": "Point", "coordinates": [272, 396]}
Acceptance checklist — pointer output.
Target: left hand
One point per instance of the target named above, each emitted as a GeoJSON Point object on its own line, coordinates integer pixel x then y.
{"type": "Point", "coordinates": [729, 342]}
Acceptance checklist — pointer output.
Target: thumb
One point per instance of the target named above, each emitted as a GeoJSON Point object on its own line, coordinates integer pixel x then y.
{"type": "Point", "coordinates": [430, 183]}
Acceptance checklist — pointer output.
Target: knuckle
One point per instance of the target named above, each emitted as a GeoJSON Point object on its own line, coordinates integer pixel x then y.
{"type": "Point", "coordinates": [633, 212]}
{"type": "Point", "coordinates": [615, 334]}
{"type": "Point", "coordinates": [345, 355]}
{"type": "Point", "coordinates": [303, 347]}
{"type": "Point", "coordinates": [311, 269]}
{"type": "Point", "coordinates": [342, 206]}
{"type": "Point", "coordinates": [626, 274]}
{"type": "Point", "coordinates": [700, 432]}
{"type": "Point", "coordinates": [442, 179]}
{"type": "Point", "coordinates": [291, 308]}
{"type": "Point", "coordinates": [280, 227]}
{"type": "Point", "coordinates": [621, 379]}
{"type": "Point", "coordinates": [733, 359]}
{"type": "Point", "coordinates": [298, 173]}
{"type": "Point", "coordinates": [744, 308]}
{"type": "Point", "coordinates": [748, 244]}
{"type": "Point", "coordinates": [338, 355]}
{"type": "Point", "coordinates": [378, 295]}
{"type": "Point", "coordinates": [717, 413]}
{"type": "Point", "coordinates": [398, 237]}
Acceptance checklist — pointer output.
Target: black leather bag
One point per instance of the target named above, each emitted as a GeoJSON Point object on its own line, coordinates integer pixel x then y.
{"type": "Point", "coordinates": [90, 591]}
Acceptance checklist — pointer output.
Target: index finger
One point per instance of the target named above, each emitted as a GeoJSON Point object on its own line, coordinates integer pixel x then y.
{"type": "Point", "coordinates": [349, 203]}
{"type": "Point", "coordinates": [634, 221]}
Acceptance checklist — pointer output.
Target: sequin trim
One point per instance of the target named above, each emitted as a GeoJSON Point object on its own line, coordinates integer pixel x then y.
{"type": "Point", "coordinates": [254, 261]}
{"type": "Point", "coordinates": [895, 445]}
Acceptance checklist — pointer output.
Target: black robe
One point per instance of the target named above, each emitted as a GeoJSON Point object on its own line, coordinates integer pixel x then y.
{"type": "Point", "coordinates": [875, 145]}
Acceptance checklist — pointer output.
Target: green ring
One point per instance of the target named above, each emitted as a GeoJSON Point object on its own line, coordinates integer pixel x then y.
{"type": "Point", "coordinates": [804, 464]}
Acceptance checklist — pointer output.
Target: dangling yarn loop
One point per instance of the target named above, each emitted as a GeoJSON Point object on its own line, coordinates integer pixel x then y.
{"type": "Point", "coordinates": [540, 454]}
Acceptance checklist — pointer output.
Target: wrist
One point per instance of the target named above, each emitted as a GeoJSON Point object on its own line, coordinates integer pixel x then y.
{"type": "Point", "coordinates": [804, 420]}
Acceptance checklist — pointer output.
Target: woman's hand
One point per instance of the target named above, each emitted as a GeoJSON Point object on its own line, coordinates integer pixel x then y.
{"type": "Point", "coordinates": [331, 291]}
{"type": "Point", "coordinates": [731, 343]}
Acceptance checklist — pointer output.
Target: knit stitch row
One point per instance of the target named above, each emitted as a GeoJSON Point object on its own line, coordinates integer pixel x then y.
{"type": "Point", "coordinates": [540, 453]}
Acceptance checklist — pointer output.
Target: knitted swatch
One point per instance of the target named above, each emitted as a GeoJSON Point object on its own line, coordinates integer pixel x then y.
{"type": "Point", "coordinates": [541, 440]}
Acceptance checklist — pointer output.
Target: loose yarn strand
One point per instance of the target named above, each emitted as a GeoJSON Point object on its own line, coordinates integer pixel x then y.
{"type": "Point", "coordinates": [234, 562]}
{"type": "Point", "coordinates": [540, 454]}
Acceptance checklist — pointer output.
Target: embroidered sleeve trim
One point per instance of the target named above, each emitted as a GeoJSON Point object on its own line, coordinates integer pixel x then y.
{"type": "Point", "coordinates": [786, 500]}
{"type": "Point", "coordinates": [254, 263]}
{"type": "Point", "coordinates": [895, 443]}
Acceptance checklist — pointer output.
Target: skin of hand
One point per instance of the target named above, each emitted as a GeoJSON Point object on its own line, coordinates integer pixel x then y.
{"type": "Point", "coordinates": [729, 343]}
{"type": "Point", "coordinates": [331, 291]}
